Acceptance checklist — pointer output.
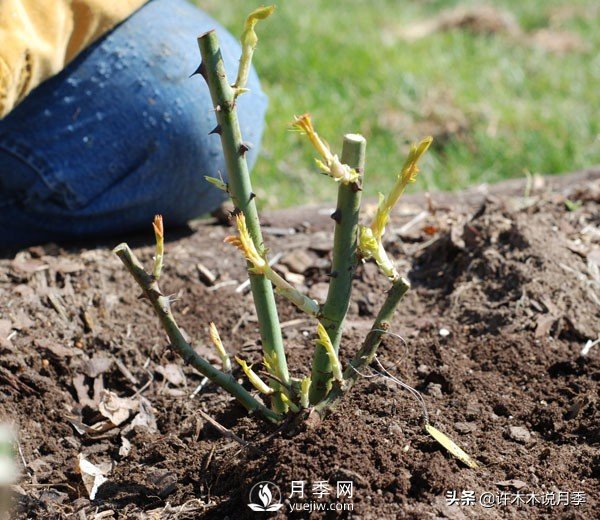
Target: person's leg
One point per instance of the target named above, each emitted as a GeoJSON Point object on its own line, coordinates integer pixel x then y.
{"type": "Point", "coordinates": [121, 134]}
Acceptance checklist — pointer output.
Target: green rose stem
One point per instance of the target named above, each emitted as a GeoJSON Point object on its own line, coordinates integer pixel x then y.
{"type": "Point", "coordinates": [240, 189]}
{"type": "Point", "coordinates": [343, 265]}
{"type": "Point", "coordinates": [367, 352]}
{"type": "Point", "coordinates": [162, 308]}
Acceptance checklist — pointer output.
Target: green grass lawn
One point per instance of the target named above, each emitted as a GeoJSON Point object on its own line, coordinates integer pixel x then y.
{"type": "Point", "coordinates": [497, 103]}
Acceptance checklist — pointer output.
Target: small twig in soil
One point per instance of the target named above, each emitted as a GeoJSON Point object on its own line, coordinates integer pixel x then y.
{"type": "Point", "coordinates": [48, 485]}
{"type": "Point", "coordinates": [139, 391]}
{"type": "Point", "coordinates": [276, 379]}
{"type": "Point", "coordinates": [413, 222]}
{"type": "Point", "coordinates": [431, 207]}
{"type": "Point", "coordinates": [14, 382]}
{"type": "Point", "coordinates": [126, 372]}
{"type": "Point", "coordinates": [225, 432]}
{"type": "Point", "coordinates": [588, 346]}
{"type": "Point", "coordinates": [206, 275]}
{"type": "Point", "coordinates": [423, 246]}
{"type": "Point", "coordinates": [277, 231]}
{"type": "Point", "coordinates": [240, 322]}
{"type": "Point", "coordinates": [170, 512]}
{"type": "Point", "coordinates": [222, 284]}
{"type": "Point", "coordinates": [57, 305]}
{"type": "Point", "coordinates": [22, 455]}
{"type": "Point", "coordinates": [293, 323]}
{"type": "Point", "coordinates": [209, 458]}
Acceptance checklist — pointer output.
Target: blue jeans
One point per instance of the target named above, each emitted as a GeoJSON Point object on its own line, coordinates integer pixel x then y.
{"type": "Point", "coordinates": [120, 134]}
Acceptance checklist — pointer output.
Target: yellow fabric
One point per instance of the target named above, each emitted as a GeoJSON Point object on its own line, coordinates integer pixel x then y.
{"type": "Point", "coordinates": [39, 37]}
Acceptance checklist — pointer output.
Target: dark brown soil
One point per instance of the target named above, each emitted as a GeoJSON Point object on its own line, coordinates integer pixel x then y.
{"type": "Point", "coordinates": [514, 280]}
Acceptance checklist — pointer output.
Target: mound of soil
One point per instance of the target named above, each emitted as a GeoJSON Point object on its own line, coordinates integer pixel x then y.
{"type": "Point", "coordinates": [505, 298]}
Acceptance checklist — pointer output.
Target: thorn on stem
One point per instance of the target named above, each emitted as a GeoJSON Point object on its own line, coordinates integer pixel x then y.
{"type": "Point", "coordinates": [236, 211]}
{"type": "Point", "coordinates": [216, 130]}
{"type": "Point", "coordinates": [337, 216]}
{"type": "Point", "coordinates": [252, 196]}
{"type": "Point", "coordinates": [332, 274]}
{"type": "Point", "coordinates": [200, 70]}
{"type": "Point", "coordinates": [244, 147]}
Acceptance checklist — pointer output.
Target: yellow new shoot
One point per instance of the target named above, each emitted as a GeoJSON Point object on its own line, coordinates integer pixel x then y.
{"type": "Point", "coordinates": [249, 39]}
{"type": "Point", "coordinates": [157, 224]}
{"type": "Point", "coordinates": [246, 245]}
{"type": "Point", "coordinates": [159, 235]}
{"type": "Point", "coordinates": [330, 163]}
{"type": "Point", "coordinates": [325, 342]}
{"type": "Point", "coordinates": [407, 175]}
{"type": "Point", "coordinates": [270, 362]}
{"type": "Point", "coordinates": [370, 238]}
{"type": "Point", "coordinates": [304, 389]}
{"type": "Point", "coordinates": [252, 376]}
{"type": "Point", "coordinates": [219, 183]}
{"type": "Point", "coordinates": [292, 406]}
{"type": "Point", "coordinates": [371, 247]}
{"type": "Point", "coordinates": [216, 339]}
{"type": "Point", "coordinates": [260, 266]}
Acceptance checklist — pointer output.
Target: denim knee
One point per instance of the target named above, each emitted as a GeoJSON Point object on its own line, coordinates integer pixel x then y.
{"type": "Point", "coordinates": [123, 132]}
{"type": "Point", "coordinates": [16, 177]}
